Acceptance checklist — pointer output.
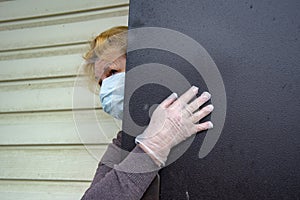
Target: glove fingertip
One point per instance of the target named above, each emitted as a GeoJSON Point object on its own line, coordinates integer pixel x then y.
{"type": "Point", "coordinates": [173, 96]}
{"type": "Point", "coordinates": [167, 102]}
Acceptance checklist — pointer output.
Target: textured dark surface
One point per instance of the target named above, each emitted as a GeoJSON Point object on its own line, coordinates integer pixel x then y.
{"type": "Point", "coordinates": [256, 47]}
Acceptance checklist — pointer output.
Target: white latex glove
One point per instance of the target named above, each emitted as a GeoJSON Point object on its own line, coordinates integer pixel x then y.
{"type": "Point", "coordinates": [172, 122]}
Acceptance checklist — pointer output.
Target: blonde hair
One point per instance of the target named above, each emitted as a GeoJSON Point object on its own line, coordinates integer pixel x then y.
{"type": "Point", "coordinates": [108, 45]}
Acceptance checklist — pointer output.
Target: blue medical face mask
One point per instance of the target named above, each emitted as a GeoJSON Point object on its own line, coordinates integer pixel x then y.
{"type": "Point", "coordinates": [112, 95]}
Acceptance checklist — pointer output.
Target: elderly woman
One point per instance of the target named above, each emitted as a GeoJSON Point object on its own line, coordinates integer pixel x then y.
{"type": "Point", "coordinates": [172, 122]}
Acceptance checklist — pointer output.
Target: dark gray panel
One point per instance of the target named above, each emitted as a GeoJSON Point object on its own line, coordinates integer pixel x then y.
{"type": "Point", "coordinates": [255, 45]}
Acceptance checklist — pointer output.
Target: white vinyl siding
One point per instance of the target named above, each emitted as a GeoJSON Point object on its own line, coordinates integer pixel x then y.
{"type": "Point", "coordinates": [41, 48]}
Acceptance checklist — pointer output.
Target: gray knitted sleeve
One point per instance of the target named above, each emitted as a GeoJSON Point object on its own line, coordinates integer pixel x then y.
{"type": "Point", "coordinates": [122, 179]}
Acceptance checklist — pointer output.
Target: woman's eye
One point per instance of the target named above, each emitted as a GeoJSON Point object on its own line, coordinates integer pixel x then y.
{"type": "Point", "coordinates": [113, 71]}
{"type": "Point", "coordinates": [108, 74]}
{"type": "Point", "coordinates": [100, 81]}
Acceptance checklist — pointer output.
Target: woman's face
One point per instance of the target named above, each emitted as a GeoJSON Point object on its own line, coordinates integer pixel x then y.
{"type": "Point", "coordinates": [104, 69]}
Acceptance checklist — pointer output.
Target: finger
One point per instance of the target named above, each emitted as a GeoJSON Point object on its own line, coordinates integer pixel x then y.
{"type": "Point", "coordinates": [187, 96]}
{"type": "Point", "coordinates": [196, 117]}
{"type": "Point", "coordinates": [192, 107]}
{"type": "Point", "coordinates": [204, 126]}
{"type": "Point", "coordinates": [168, 101]}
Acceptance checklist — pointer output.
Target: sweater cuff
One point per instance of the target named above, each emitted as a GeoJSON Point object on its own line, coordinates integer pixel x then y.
{"type": "Point", "coordinates": [137, 162]}
{"type": "Point", "coordinates": [112, 156]}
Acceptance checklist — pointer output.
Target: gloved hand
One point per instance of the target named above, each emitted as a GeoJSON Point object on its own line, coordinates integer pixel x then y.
{"type": "Point", "coordinates": [172, 122]}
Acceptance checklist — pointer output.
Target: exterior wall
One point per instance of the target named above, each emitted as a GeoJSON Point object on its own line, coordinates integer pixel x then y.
{"type": "Point", "coordinates": [41, 155]}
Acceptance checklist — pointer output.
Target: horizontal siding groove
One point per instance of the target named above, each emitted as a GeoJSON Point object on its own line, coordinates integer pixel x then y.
{"type": "Point", "coordinates": [77, 17]}
{"type": "Point", "coordinates": [37, 78]}
{"type": "Point", "coordinates": [40, 17]}
{"type": "Point", "coordinates": [52, 146]}
{"type": "Point", "coordinates": [45, 52]}
{"type": "Point", "coordinates": [43, 83]}
{"type": "Point", "coordinates": [52, 111]}
{"type": "Point", "coordinates": [27, 181]}
{"type": "Point", "coordinates": [47, 111]}
{"type": "Point", "coordinates": [44, 47]}
{"type": "Point", "coordinates": [42, 146]}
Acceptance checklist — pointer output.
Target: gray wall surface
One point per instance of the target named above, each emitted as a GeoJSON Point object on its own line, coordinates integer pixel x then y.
{"type": "Point", "coordinates": [255, 45]}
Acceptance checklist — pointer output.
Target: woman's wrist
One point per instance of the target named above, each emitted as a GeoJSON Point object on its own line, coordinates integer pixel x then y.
{"type": "Point", "coordinates": [146, 150]}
